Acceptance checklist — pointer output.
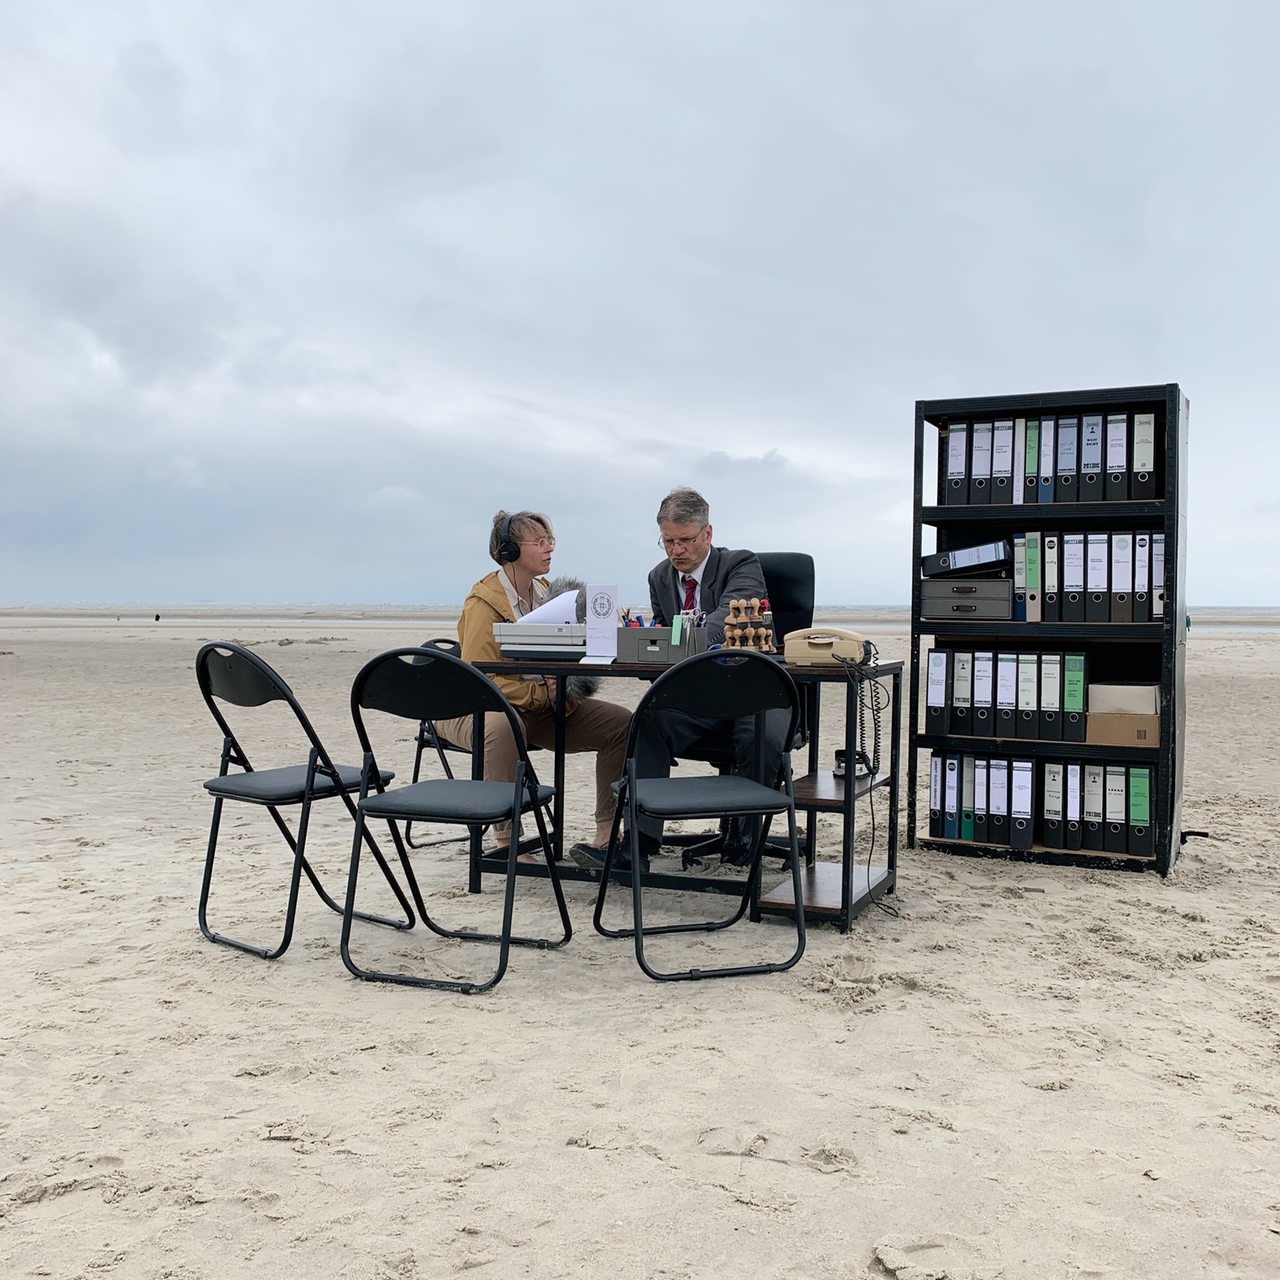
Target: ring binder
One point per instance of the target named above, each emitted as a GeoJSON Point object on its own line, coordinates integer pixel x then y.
{"type": "Point", "coordinates": [1052, 833]}
{"type": "Point", "coordinates": [1065, 487]}
{"type": "Point", "coordinates": [1115, 808]}
{"type": "Point", "coordinates": [998, 801]}
{"type": "Point", "coordinates": [1048, 460]}
{"type": "Point", "coordinates": [1117, 474]}
{"type": "Point", "coordinates": [1002, 462]}
{"type": "Point", "coordinates": [1021, 804]}
{"type": "Point", "coordinates": [1094, 836]}
{"type": "Point", "coordinates": [960, 723]}
{"type": "Point", "coordinates": [1142, 478]}
{"type": "Point", "coordinates": [980, 464]}
{"type": "Point", "coordinates": [1073, 830]}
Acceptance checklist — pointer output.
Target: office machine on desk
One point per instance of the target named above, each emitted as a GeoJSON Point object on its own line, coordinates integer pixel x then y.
{"type": "Point", "coordinates": [1048, 625]}
{"type": "Point", "coordinates": [542, 640]}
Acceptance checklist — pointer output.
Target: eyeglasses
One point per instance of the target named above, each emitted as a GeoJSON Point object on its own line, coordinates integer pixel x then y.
{"type": "Point", "coordinates": [670, 544]}
{"type": "Point", "coordinates": [543, 544]}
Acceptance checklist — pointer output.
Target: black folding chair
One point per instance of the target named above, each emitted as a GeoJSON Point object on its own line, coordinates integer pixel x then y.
{"type": "Point", "coordinates": [789, 585]}
{"type": "Point", "coordinates": [425, 684]}
{"type": "Point", "coordinates": [723, 685]}
{"type": "Point", "coordinates": [229, 675]}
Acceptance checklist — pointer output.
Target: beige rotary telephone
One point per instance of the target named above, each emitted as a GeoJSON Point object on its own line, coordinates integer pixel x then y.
{"type": "Point", "coordinates": [823, 647]}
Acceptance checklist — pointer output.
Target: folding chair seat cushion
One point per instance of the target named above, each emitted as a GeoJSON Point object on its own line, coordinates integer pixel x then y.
{"type": "Point", "coordinates": [725, 795]}
{"type": "Point", "coordinates": [285, 785]}
{"type": "Point", "coordinates": [449, 800]}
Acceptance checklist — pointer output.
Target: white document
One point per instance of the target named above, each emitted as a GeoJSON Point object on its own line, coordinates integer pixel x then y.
{"type": "Point", "coordinates": [602, 623]}
{"type": "Point", "coordinates": [559, 609]}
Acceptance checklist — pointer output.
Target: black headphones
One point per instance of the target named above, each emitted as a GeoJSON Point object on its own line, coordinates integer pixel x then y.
{"type": "Point", "coordinates": [508, 551]}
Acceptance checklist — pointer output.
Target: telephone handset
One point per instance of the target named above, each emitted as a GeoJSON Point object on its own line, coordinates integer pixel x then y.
{"type": "Point", "coordinates": [823, 647]}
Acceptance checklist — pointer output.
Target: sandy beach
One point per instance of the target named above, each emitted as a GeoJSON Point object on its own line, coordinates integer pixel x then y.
{"type": "Point", "coordinates": [1027, 1071]}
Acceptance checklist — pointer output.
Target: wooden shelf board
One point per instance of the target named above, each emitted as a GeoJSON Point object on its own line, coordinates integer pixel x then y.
{"type": "Point", "coordinates": [820, 884]}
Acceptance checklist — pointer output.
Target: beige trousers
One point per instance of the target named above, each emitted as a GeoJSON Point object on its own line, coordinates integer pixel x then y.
{"type": "Point", "coordinates": [592, 725]}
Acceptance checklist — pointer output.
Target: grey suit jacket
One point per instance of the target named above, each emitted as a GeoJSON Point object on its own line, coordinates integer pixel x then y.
{"type": "Point", "coordinates": [729, 575]}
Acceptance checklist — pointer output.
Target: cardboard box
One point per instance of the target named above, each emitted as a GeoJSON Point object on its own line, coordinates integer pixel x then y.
{"type": "Point", "coordinates": [1122, 729]}
{"type": "Point", "coordinates": [1130, 699]}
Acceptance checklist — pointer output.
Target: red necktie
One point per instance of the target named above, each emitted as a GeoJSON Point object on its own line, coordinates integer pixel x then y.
{"type": "Point", "coordinates": [690, 586]}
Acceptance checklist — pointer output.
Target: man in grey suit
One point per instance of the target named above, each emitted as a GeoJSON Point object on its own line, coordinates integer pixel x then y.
{"type": "Point", "coordinates": [696, 575]}
{"type": "Point", "coordinates": [700, 578]}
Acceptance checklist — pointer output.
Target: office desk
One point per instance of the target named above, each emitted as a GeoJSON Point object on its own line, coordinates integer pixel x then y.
{"type": "Point", "coordinates": [832, 890]}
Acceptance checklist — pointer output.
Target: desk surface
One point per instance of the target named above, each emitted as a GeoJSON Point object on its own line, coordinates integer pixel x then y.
{"type": "Point", "coordinates": [648, 670]}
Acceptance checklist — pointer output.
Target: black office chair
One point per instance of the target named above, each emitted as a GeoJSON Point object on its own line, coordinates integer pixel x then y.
{"type": "Point", "coordinates": [424, 684]}
{"type": "Point", "coordinates": [231, 676]}
{"type": "Point", "coordinates": [723, 686]}
{"type": "Point", "coordinates": [789, 581]}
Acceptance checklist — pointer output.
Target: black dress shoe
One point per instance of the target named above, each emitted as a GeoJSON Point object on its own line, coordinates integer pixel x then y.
{"type": "Point", "coordinates": [587, 855]}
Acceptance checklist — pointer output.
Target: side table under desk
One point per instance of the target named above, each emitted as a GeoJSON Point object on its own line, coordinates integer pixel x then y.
{"type": "Point", "coordinates": [832, 890]}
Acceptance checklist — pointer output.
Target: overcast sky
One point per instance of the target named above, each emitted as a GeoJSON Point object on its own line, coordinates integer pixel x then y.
{"type": "Point", "coordinates": [294, 294]}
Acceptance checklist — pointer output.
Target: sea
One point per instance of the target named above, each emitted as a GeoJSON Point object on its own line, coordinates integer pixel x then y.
{"type": "Point", "coordinates": [868, 619]}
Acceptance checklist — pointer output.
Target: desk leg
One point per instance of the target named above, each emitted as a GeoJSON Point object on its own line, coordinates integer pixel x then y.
{"type": "Point", "coordinates": [848, 829]}
{"type": "Point", "coordinates": [813, 719]}
{"type": "Point", "coordinates": [557, 805]}
{"type": "Point", "coordinates": [891, 882]}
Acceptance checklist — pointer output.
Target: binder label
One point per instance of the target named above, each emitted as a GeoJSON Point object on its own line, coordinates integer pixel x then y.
{"type": "Point", "coordinates": [998, 788]}
{"type": "Point", "coordinates": [1140, 796]}
{"type": "Point", "coordinates": [1144, 442]}
{"type": "Point", "coordinates": [1091, 448]}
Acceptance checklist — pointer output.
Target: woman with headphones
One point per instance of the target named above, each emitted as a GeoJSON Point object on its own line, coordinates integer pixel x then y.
{"type": "Point", "coordinates": [521, 544]}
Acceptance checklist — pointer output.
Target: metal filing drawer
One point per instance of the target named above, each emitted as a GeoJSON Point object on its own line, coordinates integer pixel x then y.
{"type": "Point", "coordinates": [960, 599]}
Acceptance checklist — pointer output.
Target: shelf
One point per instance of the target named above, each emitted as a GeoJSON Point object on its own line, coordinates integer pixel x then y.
{"type": "Point", "coordinates": [1102, 632]}
{"type": "Point", "coordinates": [1150, 396]}
{"type": "Point", "coordinates": [1149, 652]}
{"type": "Point", "coordinates": [1038, 747]}
{"type": "Point", "coordinates": [1067, 514]}
{"type": "Point", "coordinates": [1039, 853]}
{"type": "Point", "coordinates": [821, 886]}
{"type": "Point", "coordinates": [824, 791]}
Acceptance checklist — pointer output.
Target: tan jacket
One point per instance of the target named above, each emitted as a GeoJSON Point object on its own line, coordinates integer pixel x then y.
{"type": "Point", "coordinates": [487, 603]}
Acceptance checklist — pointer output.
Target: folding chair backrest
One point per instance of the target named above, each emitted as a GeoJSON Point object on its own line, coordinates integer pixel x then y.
{"type": "Point", "coordinates": [230, 673]}
{"type": "Point", "coordinates": [234, 674]}
{"type": "Point", "coordinates": [723, 685]}
{"type": "Point", "coordinates": [443, 644]}
{"type": "Point", "coordinates": [419, 684]}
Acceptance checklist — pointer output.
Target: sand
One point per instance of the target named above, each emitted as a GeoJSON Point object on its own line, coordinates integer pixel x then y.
{"type": "Point", "coordinates": [1029, 1070]}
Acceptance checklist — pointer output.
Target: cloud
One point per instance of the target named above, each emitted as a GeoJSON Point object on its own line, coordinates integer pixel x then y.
{"type": "Point", "coordinates": [272, 289]}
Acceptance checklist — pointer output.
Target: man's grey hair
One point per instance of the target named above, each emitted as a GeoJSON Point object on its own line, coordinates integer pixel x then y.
{"type": "Point", "coordinates": [684, 506]}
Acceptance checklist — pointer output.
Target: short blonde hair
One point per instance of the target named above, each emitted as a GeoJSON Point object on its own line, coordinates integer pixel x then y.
{"type": "Point", "coordinates": [513, 526]}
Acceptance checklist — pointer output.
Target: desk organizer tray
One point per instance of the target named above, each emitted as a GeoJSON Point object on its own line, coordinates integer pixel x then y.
{"type": "Point", "coordinates": [653, 644]}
